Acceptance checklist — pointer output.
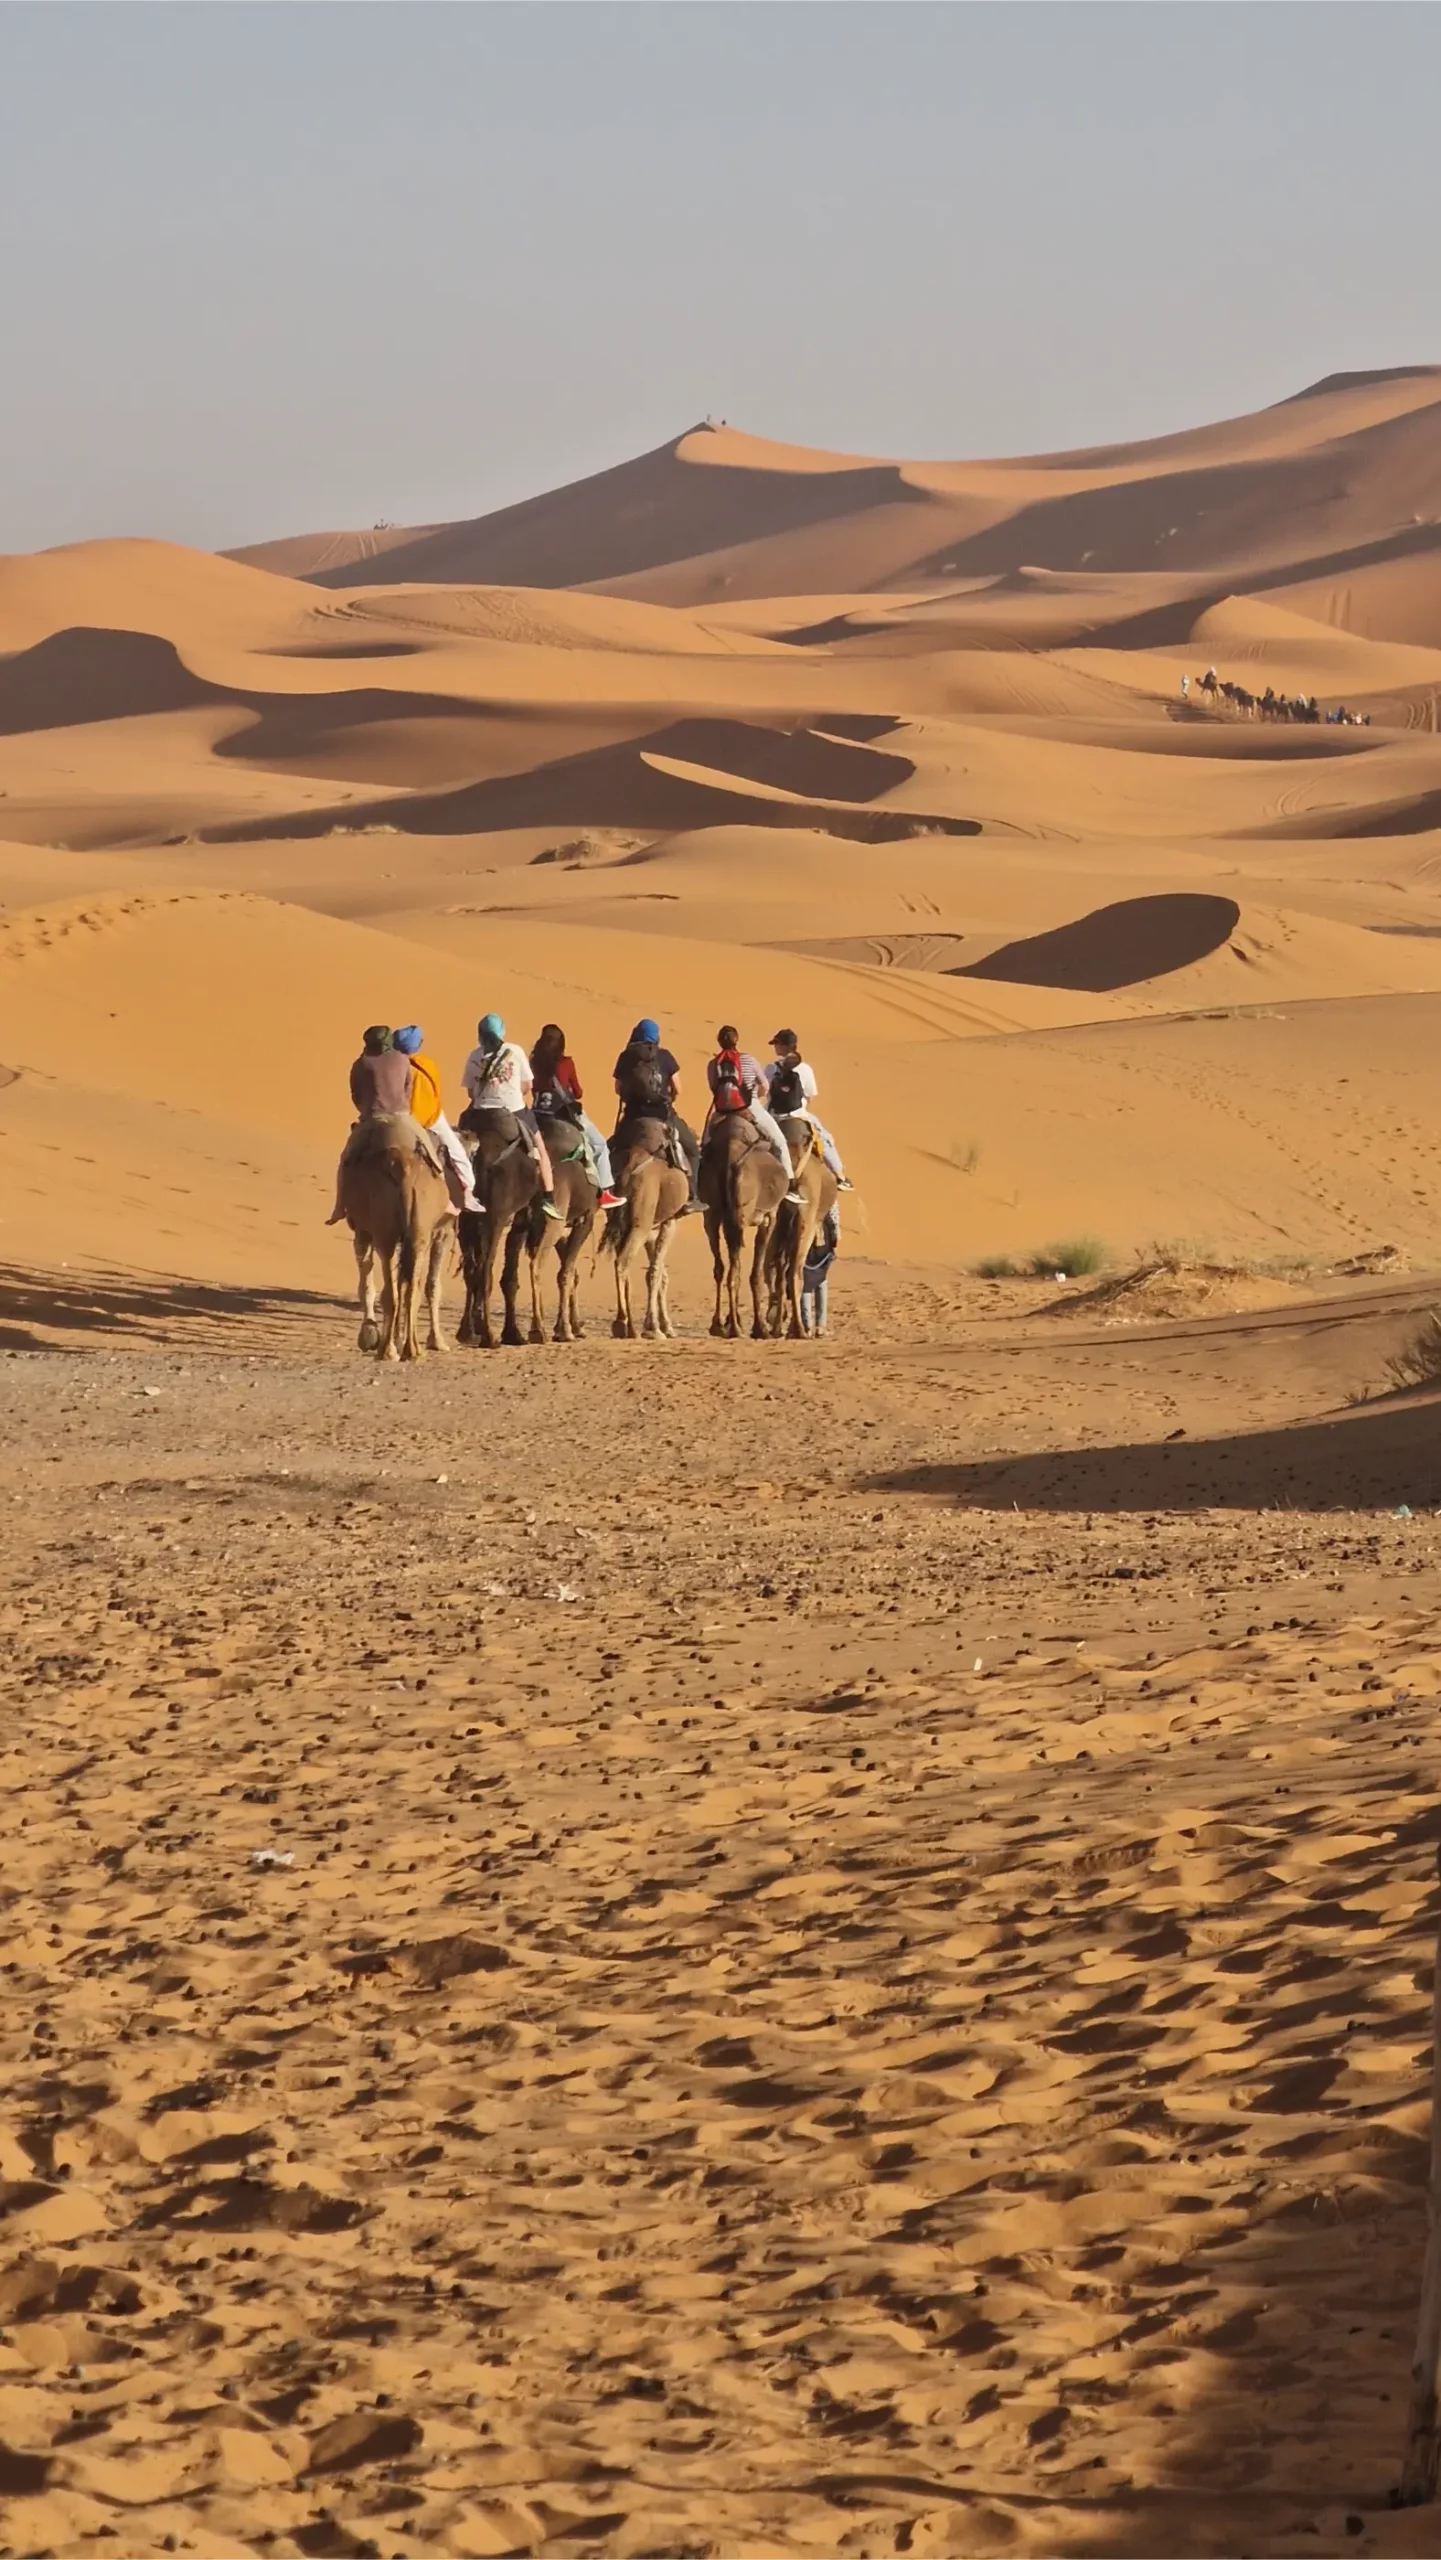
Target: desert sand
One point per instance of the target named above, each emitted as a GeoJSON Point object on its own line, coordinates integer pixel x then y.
{"type": "Point", "coordinates": [734, 1948]}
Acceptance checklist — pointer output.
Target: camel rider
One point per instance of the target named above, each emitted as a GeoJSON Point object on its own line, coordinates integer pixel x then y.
{"type": "Point", "coordinates": [737, 1083]}
{"type": "Point", "coordinates": [497, 1077]}
{"type": "Point", "coordinates": [559, 1096]}
{"type": "Point", "coordinates": [793, 1095]}
{"type": "Point", "coordinates": [425, 1107]}
{"type": "Point", "coordinates": [381, 1083]}
{"type": "Point", "coordinates": [647, 1080]}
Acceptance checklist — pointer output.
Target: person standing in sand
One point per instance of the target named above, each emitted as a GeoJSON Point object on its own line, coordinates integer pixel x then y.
{"type": "Point", "coordinates": [381, 1083]}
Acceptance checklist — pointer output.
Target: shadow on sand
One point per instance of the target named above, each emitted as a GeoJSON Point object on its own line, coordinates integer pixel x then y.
{"type": "Point", "coordinates": [1377, 1455]}
{"type": "Point", "coordinates": [126, 1307]}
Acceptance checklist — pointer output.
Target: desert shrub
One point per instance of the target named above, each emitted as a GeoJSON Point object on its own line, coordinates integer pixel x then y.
{"type": "Point", "coordinates": [1418, 1363]}
{"type": "Point", "coordinates": [998, 1266]}
{"type": "Point", "coordinates": [1076, 1258]}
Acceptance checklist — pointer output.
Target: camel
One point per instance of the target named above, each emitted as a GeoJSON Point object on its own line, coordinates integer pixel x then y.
{"type": "Point", "coordinates": [655, 1192]}
{"type": "Point", "coordinates": [575, 1197]}
{"type": "Point", "coordinates": [398, 1208]}
{"type": "Point", "coordinates": [795, 1230]}
{"type": "Point", "coordinates": [742, 1185]}
{"type": "Point", "coordinates": [507, 1184]}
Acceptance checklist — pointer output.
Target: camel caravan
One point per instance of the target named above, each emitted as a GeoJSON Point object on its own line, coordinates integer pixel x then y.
{"type": "Point", "coordinates": [1218, 693]}
{"type": "Point", "coordinates": [526, 1168]}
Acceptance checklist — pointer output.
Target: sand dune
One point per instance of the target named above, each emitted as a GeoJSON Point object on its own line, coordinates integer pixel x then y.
{"type": "Point", "coordinates": [718, 512]}
{"type": "Point", "coordinates": [615, 2122]}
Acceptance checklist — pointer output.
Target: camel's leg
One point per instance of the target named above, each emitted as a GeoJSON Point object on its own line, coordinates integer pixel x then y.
{"type": "Point", "coordinates": [407, 1280]}
{"type": "Point", "coordinates": [713, 1236]}
{"type": "Point", "coordinates": [369, 1318]}
{"type": "Point", "coordinates": [485, 1286]}
{"type": "Point", "coordinates": [625, 1268]}
{"type": "Point", "coordinates": [510, 1283]}
{"type": "Point", "coordinates": [537, 1319]}
{"type": "Point", "coordinates": [567, 1259]}
{"type": "Point", "coordinates": [801, 1243]}
{"type": "Point", "coordinates": [733, 1286]}
{"type": "Point", "coordinates": [389, 1346]}
{"type": "Point", "coordinates": [759, 1325]}
{"type": "Point", "coordinates": [654, 1276]}
{"type": "Point", "coordinates": [663, 1283]}
{"type": "Point", "coordinates": [472, 1264]}
{"type": "Point", "coordinates": [435, 1282]}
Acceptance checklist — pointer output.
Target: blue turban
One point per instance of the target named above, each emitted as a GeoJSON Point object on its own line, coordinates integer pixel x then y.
{"type": "Point", "coordinates": [647, 1030]}
{"type": "Point", "coordinates": [491, 1029]}
{"type": "Point", "coordinates": [410, 1041]}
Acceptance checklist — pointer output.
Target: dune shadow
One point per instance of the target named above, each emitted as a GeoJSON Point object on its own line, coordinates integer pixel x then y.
{"type": "Point", "coordinates": [1417, 815]}
{"type": "Point", "coordinates": [643, 514]}
{"type": "Point", "coordinates": [1372, 1457]}
{"type": "Point", "coordinates": [828, 780]}
{"type": "Point", "coordinates": [1114, 946]}
{"type": "Point", "coordinates": [345, 649]}
{"type": "Point", "coordinates": [91, 674]}
{"type": "Point", "coordinates": [138, 1308]}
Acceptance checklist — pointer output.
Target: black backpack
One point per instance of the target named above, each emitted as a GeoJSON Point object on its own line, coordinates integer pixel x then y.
{"type": "Point", "coordinates": [552, 1102]}
{"type": "Point", "coordinates": [644, 1083]}
{"type": "Point", "coordinates": [788, 1094]}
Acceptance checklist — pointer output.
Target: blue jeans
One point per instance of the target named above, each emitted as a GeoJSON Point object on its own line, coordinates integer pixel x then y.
{"type": "Point", "coordinates": [599, 1150]}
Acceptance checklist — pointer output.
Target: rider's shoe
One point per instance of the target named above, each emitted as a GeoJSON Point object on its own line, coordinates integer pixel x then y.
{"type": "Point", "coordinates": [610, 1200]}
{"type": "Point", "coordinates": [794, 1200]}
{"type": "Point", "coordinates": [550, 1210]}
{"type": "Point", "coordinates": [844, 1182]}
{"type": "Point", "coordinates": [692, 1208]}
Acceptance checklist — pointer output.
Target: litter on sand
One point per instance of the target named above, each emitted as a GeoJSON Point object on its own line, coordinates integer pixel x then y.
{"type": "Point", "coordinates": [272, 1857]}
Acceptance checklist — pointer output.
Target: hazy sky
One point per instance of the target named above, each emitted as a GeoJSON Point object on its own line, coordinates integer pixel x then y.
{"type": "Point", "coordinates": [269, 268]}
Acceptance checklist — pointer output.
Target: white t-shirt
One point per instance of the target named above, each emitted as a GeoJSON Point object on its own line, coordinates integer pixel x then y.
{"type": "Point", "coordinates": [807, 1077]}
{"type": "Point", "coordinates": [497, 1082]}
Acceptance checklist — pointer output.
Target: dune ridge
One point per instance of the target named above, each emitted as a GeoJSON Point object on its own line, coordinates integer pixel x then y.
{"type": "Point", "coordinates": [734, 1946]}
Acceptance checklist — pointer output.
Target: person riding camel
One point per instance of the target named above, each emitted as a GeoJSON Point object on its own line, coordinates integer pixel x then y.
{"type": "Point", "coordinates": [425, 1107]}
{"type": "Point", "coordinates": [647, 1081]}
{"type": "Point", "coordinates": [792, 1095]}
{"type": "Point", "coordinates": [559, 1095]}
{"type": "Point", "coordinates": [381, 1084]}
{"type": "Point", "coordinates": [737, 1083]}
{"type": "Point", "coordinates": [497, 1077]}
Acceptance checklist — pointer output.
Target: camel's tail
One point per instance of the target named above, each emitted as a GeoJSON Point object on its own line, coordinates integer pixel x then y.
{"type": "Point", "coordinates": [615, 1230]}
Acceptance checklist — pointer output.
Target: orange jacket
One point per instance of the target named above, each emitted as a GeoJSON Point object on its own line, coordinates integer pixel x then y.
{"type": "Point", "coordinates": [425, 1096]}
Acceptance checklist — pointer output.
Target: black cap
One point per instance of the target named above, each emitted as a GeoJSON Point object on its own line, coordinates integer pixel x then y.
{"type": "Point", "coordinates": [784, 1040]}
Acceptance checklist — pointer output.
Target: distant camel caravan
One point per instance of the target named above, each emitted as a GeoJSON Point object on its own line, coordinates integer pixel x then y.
{"type": "Point", "coordinates": [527, 1169]}
{"type": "Point", "coordinates": [1217, 690]}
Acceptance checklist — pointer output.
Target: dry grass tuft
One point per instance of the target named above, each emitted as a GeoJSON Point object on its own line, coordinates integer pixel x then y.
{"type": "Point", "coordinates": [1418, 1363]}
